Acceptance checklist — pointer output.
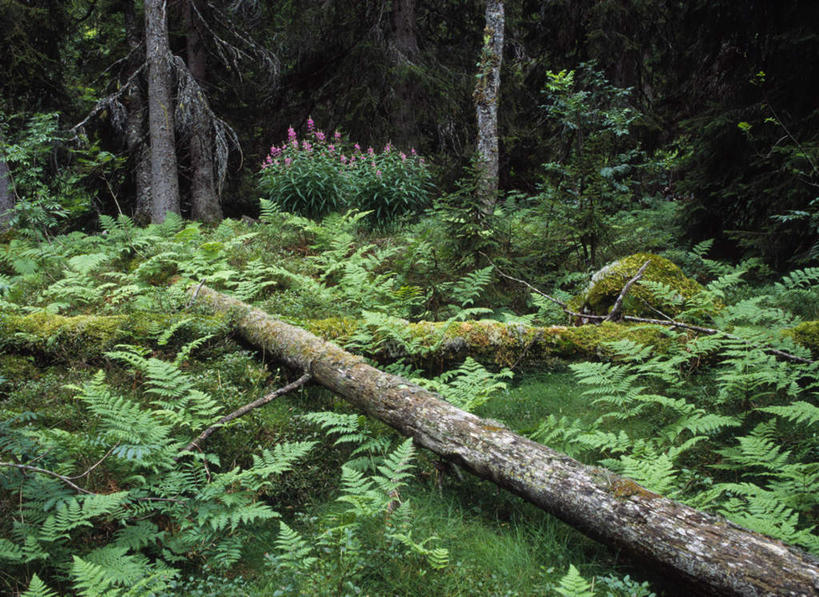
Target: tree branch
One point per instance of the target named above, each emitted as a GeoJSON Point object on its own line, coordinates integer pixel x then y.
{"type": "Point", "coordinates": [616, 310]}
{"type": "Point", "coordinates": [37, 469]}
{"type": "Point", "coordinates": [244, 410]}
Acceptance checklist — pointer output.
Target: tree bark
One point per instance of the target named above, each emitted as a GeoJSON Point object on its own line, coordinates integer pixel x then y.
{"type": "Point", "coordinates": [6, 189]}
{"type": "Point", "coordinates": [486, 104]}
{"type": "Point", "coordinates": [135, 130]}
{"type": "Point", "coordinates": [403, 45]}
{"type": "Point", "coordinates": [164, 180]}
{"type": "Point", "coordinates": [205, 205]}
{"type": "Point", "coordinates": [714, 555]}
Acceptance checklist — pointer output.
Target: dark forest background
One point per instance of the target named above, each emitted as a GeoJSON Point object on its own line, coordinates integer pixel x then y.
{"type": "Point", "coordinates": [727, 89]}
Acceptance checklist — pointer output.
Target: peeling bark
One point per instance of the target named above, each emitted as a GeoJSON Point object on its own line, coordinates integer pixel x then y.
{"type": "Point", "coordinates": [164, 180]}
{"type": "Point", "coordinates": [714, 555]}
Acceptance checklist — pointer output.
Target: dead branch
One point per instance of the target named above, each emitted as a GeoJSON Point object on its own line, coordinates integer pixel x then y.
{"type": "Point", "coordinates": [244, 410]}
{"type": "Point", "coordinates": [616, 310]}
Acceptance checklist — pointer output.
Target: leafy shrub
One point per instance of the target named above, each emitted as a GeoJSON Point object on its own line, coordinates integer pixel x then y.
{"type": "Point", "coordinates": [320, 175]}
{"type": "Point", "coordinates": [50, 179]}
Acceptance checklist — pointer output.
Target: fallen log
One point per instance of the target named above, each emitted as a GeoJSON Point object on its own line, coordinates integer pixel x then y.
{"type": "Point", "coordinates": [708, 552]}
{"type": "Point", "coordinates": [506, 344]}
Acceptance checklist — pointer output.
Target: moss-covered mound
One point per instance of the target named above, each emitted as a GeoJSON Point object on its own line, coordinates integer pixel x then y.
{"type": "Point", "coordinates": [806, 334]}
{"type": "Point", "coordinates": [607, 284]}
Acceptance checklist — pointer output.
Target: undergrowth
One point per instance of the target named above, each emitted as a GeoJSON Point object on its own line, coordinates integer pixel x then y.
{"type": "Point", "coordinates": [99, 496]}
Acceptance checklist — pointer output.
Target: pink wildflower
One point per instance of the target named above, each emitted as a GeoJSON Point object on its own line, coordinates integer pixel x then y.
{"type": "Point", "coordinates": [291, 134]}
{"type": "Point", "coordinates": [320, 136]}
{"type": "Point", "coordinates": [357, 147]}
{"type": "Point", "coordinates": [338, 135]}
{"type": "Point", "coordinates": [306, 146]}
{"type": "Point", "coordinates": [413, 151]}
{"type": "Point", "coordinates": [331, 148]}
{"type": "Point", "coordinates": [403, 157]}
{"type": "Point", "coordinates": [343, 159]}
{"type": "Point", "coordinates": [387, 148]}
{"type": "Point", "coordinates": [310, 125]}
{"type": "Point", "coordinates": [370, 150]}
{"type": "Point", "coordinates": [287, 161]}
{"type": "Point", "coordinates": [378, 173]}
{"type": "Point", "coordinates": [294, 143]}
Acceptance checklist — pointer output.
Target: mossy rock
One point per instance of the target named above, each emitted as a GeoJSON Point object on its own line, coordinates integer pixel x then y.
{"type": "Point", "coordinates": [806, 334]}
{"type": "Point", "coordinates": [607, 284]}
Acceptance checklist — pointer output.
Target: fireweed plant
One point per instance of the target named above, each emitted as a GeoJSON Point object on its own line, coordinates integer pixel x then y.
{"type": "Point", "coordinates": [324, 173]}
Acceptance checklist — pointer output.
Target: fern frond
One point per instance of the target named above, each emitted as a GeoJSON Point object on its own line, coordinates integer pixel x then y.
{"type": "Point", "coordinates": [468, 288]}
{"type": "Point", "coordinates": [801, 278]}
{"type": "Point", "coordinates": [37, 588]}
{"type": "Point", "coordinates": [92, 580]}
{"type": "Point", "coordinates": [654, 471]}
{"type": "Point", "coordinates": [800, 412]}
{"type": "Point", "coordinates": [572, 584]}
{"type": "Point", "coordinates": [294, 553]}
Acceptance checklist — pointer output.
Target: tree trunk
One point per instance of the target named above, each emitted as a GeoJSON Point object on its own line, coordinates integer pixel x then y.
{"type": "Point", "coordinates": [403, 46]}
{"type": "Point", "coordinates": [204, 199]}
{"type": "Point", "coordinates": [164, 181]}
{"type": "Point", "coordinates": [716, 556]}
{"type": "Point", "coordinates": [6, 191]}
{"type": "Point", "coordinates": [135, 131]}
{"type": "Point", "coordinates": [486, 104]}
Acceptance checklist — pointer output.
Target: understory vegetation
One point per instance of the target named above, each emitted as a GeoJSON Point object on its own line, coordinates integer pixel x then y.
{"type": "Point", "coordinates": [108, 371]}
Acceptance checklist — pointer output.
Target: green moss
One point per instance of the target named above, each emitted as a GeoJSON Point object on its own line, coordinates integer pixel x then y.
{"type": "Point", "coordinates": [85, 336]}
{"type": "Point", "coordinates": [586, 340]}
{"type": "Point", "coordinates": [335, 329]}
{"type": "Point", "coordinates": [607, 284]}
{"type": "Point", "coordinates": [806, 334]}
{"type": "Point", "coordinates": [17, 367]}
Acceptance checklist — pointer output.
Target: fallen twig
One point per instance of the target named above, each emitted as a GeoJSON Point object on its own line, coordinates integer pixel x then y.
{"type": "Point", "coordinates": [244, 410]}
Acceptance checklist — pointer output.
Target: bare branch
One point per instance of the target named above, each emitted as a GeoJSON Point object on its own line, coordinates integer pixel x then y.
{"type": "Point", "coordinates": [42, 471]}
{"type": "Point", "coordinates": [616, 310]}
{"type": "Point", "coordinates": [244, 410]}
{"type": "Point", "coordinates": [110, 103]}
{"type": "Point", "coordinates": [96, 464]}
{"type": "Point", "coordinates": [525, 283]}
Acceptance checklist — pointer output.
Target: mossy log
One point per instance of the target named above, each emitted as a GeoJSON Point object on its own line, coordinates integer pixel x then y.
{"type": "Point", "coordinates": [506, 344]}
{"type": "Point", "coordinates": [83, 337]}
{"type": "Point", "coordinates": [708, 552]}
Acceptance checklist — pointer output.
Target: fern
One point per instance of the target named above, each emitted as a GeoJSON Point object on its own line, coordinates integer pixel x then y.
{"type": "Point", "coordinates": [572, 584]}
{"type": "Point", "coordinates": [349, 429]}
{"type": "Point", "coordinates": [466, 290]}
{"type": "Point", "coordinates": [799, 412]}
{"type": "Point", "coordinates": [469, 386]}
{"type": "Point", "coordinates": [37, 588]}
{"type": "Point", "coordinates": [799, 279]}
{"type": "Point", "coordinates": [294, 552]}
